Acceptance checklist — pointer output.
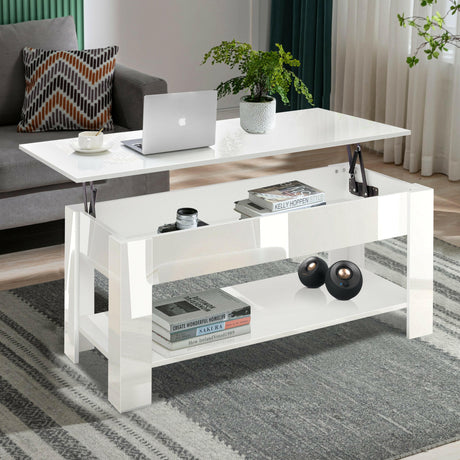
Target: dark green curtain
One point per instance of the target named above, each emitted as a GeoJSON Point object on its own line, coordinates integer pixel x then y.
{"type": "Point", "coordinates": [303, 27]}
{"type": "Point", "coordinates": [12, 11]}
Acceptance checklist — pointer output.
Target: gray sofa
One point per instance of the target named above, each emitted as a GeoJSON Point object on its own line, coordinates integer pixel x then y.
{"type": "Point", "coordinates": [30, 192]}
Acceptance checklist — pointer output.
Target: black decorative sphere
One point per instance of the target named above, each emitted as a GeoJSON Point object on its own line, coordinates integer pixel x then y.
{"type": "Point", "coordinates": [312, 272]}
{"type": "Point", "coordinates": [344, 280]}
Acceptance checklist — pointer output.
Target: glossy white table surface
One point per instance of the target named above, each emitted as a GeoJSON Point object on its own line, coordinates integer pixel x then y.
{"type": "Point", "coordinates": [295, 131]}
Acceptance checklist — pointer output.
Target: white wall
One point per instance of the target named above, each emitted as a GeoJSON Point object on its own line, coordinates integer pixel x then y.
{"type": "Point", "coordinates": [168, 38]}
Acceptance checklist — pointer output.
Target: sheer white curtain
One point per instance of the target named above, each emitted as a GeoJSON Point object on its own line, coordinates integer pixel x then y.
{"type": "Point", "coordinates": [370, 79]}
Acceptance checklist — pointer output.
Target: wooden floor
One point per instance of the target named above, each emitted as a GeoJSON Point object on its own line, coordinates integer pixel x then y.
{"type": "Point", "coordinates": [46, 264]}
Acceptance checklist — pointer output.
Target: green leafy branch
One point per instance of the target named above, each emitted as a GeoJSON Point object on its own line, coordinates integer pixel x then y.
{"type": "Point", "coordinates": [263, 73]}
{"type": "Point", "coordinates": [433, 31]}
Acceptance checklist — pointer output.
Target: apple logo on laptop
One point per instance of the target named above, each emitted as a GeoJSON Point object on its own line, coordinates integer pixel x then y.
{"type": "Point", "coordinates": [182, 121]}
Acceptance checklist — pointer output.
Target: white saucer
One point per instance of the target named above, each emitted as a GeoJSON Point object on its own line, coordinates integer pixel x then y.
{"type": "Point", "coordinates": [105, 146]}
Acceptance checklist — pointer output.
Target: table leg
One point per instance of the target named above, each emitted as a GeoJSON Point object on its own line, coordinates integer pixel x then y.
{"type": "Point", "coordinates": [130, 326]}
{"type": "Point", "coordinates": [78, 287]}
{"type": "Point", "coordinates": [419, 262]}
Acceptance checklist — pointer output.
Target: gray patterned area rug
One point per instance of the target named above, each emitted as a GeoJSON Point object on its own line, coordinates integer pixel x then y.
{"type": "Point", "coordinates": [360, 390]}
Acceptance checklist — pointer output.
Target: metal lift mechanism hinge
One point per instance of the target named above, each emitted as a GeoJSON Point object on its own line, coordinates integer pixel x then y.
{"type": "Point", "coordinates": [359, 188]}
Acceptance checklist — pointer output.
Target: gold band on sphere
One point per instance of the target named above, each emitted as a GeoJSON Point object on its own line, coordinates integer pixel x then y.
{"type": "Point", "coordinates": [344, 273]}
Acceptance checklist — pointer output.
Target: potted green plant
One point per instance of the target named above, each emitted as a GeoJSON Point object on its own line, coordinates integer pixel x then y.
{"type": "Point", "coordinates": [264, 74]}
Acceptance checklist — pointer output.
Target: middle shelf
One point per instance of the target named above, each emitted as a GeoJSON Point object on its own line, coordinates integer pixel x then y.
{"type": "Point", "coordinates": [280, 307]}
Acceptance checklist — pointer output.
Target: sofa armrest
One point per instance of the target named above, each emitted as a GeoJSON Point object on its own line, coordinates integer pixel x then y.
{"type": "Point", "coordinates": [129, 89]}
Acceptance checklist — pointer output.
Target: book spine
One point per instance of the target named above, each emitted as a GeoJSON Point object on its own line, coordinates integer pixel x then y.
{"type": "Point", "coordinates": [225, 316]}
{"type": "Point", "coordinates": [233, 332]}
{"type": "Point", "coordinates": [246, 212]}
{"type": "Point", "coordinates": [206, 329]}
{"type": "Point", "coordinates": [287, 204]}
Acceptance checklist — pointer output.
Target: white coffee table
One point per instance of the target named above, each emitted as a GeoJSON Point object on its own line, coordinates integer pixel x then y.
{"type": "Point", "coordinates": [122, 243]}
{"type": "Point", "coordinates": [296, 131]}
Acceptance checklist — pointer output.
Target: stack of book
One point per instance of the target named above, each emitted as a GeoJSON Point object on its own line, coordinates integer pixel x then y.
{"type": "Point", "coordinates": [280, 198]}
{"type": "Point", "coordinates": [187, 321]}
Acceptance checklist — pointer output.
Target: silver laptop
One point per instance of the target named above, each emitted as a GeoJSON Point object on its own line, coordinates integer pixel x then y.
{"type": "Point", "coordinates": [177, 121]}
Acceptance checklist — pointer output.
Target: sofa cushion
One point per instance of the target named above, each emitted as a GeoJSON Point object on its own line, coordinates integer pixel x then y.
{"type": "Point", "coordinates": [57, 34]}
{"type": "Point", "coordinates": [68, 90]}
{"type": "Point", "coordinates": [19, 171]}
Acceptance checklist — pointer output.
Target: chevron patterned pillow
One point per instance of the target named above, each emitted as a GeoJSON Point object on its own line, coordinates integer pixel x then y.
{"type": "Point", "coordinates": [68, 90]}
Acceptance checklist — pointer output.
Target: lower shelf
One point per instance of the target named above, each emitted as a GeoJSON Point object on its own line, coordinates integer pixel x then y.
{"type": "Point", "coordinates": [280, 307]}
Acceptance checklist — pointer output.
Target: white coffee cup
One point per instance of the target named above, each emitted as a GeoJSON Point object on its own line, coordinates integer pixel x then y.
{"type": "Point", "coordinates": [90, 140]}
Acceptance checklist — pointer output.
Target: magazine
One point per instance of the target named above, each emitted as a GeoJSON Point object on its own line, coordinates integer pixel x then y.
{"type": "Point", "coordinates": [200, 330]}
{"type": "Point", "coordinates": [185, 312]}
{"type": "Point", "coordinates": [234, 332]}
{"type": "Point", "coordinates": [249, 209]}
{"type": "Point", "coordinates": [288, 195]}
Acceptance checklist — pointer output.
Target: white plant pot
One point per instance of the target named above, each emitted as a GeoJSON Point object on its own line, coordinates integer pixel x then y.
{"type": "Point", "coordinates": [257, 117]}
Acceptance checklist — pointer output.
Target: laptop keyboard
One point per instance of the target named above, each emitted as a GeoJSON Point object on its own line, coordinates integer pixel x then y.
{"type": "Point", "coordinates": [138, 145]}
